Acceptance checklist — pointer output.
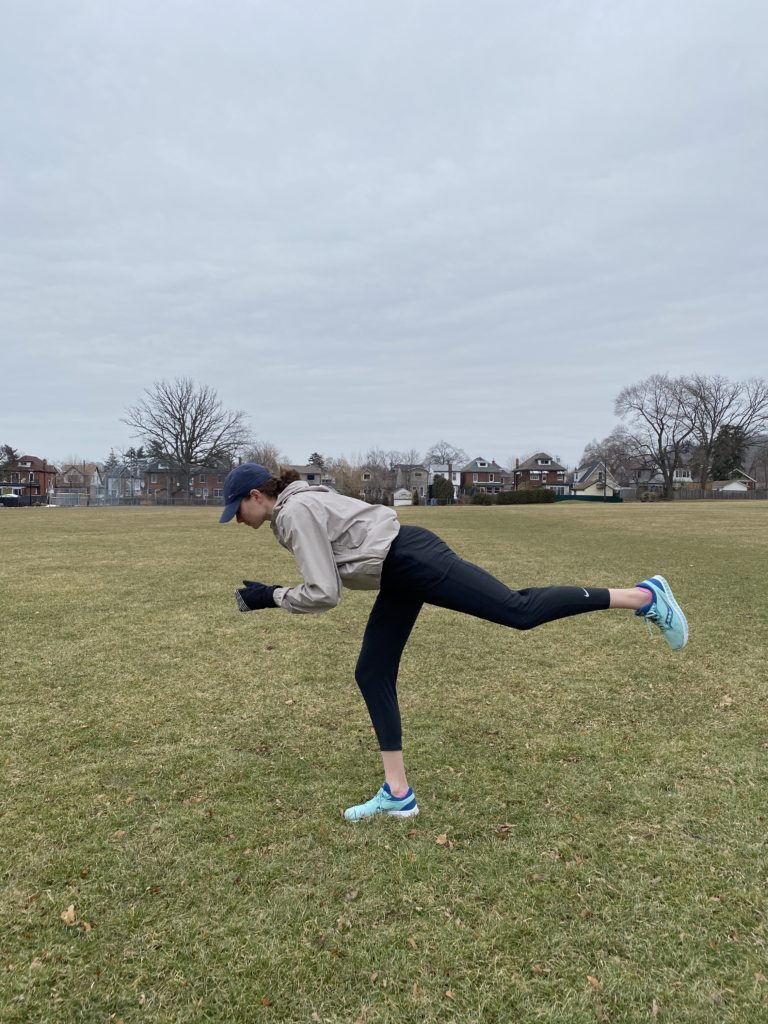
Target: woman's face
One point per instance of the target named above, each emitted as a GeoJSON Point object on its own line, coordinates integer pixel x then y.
{"type": "Point", "coordinates": [255, 509]}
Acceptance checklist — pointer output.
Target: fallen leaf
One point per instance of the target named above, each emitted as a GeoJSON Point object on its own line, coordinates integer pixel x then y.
{"type": "Point", "coordinates": [120, 834]}
{"type": "Point", "coordinates": [415, 989]}
{"type": "Point", "coordinates": [726, 701]}
{"type": "Point", "coordinates": [266, 1002]}
{"type": "Point", "coordinates": [594, 983]}
{"type": "Point", "coordinates": [600, 1011]}
{"type": "Point", "coordinates": [655, 1009]}
{"type": "Point", "coordinates": [352, 895]}
{"type": "Point", "coordinates": [586, 913]}
{"type": "Point", "coordinates": [68, 916]}
{"type": "Point", "coordinates": [442, 840]}
{"type": "Point", "coordinates": [539, 878]}
{"type": "Point", "coordinates": [449, 995]}
{"type": "Point", "coordinates": [412, 942]}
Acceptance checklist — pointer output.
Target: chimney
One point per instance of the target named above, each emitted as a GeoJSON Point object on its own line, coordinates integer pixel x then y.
{"type": "Point", "coordinates": [517, 462]}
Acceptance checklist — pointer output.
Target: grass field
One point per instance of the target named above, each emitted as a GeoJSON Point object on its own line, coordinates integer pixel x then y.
{"type": "Point", "coordinates": [592, 838]}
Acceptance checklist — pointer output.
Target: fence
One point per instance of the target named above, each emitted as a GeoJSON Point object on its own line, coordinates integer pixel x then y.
{"type": "Point", "coordinates": [689, 494]}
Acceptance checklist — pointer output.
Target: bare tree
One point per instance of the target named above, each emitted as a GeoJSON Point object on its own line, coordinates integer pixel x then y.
{"type": "Point", "coordinates": [377, 465]}
{"type": "Point", "coordinates": [715, 402]}
{"type": "Point", "coordinates": [187, 423]}
{"type": "Point", "coordinates": [660, 425]}
{"type": "Point", "coordinates": [346, 475]}
{"type": "Point", "coordinates": [618, 451]}
{"type": "Point", "coordinates": [267, 455]}
{"type": "Point", "coordinates": [442, 453]}
{"type": "Point", "coordinates": [757, 462]}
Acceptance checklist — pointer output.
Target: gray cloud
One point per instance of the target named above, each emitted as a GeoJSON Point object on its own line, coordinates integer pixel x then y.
{"type": "Point", "coordinates": [377, 224]}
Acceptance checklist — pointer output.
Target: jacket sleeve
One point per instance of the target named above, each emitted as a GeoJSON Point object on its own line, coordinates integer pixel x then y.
{"type": "Point", "coordinates": [306, 537]}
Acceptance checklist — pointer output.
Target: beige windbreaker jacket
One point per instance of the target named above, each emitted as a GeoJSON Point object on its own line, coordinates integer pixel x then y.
{"type": "Point", "coordinates": [336, 541]}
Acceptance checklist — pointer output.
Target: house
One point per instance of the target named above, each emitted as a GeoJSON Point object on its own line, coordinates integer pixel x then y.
{"type": "Point", "coordinates": [541, 470]}
{"type": "Point", "coordinates": [740, 482]}
{"type": "Point", "coordinates": [313, 475]}
{"type": "Point", "coordinates": [32, 478]}
{"type": "Point", "coordinates": [167, 483]}
{"type": "Point", "coordinates": [80, 483]}
{"type": "Point", "coordinates": [376, 482]}
{"type": "Point", "coordinates": [594, 479]}
{"type": "Point", "coordinates": [413, 478]}
{"type": "Point", "coordinates": [483, 477]}
{"type": "Point", "coordinates": [445, 471]}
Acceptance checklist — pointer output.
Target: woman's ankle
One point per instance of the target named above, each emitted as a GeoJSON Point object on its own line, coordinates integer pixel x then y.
{"type": "Point", "coordinates": [397, 788]}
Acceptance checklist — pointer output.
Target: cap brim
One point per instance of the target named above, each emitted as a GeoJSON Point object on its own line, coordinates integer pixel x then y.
{"type": "Point", "coordinates": [230, 510]}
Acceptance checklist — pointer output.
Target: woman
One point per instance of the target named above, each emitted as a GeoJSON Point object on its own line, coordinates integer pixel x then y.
{"type": "Point", "coordinates": [339, 541]}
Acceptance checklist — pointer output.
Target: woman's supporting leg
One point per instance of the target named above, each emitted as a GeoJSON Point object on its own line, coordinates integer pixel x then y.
{"type": "Point", "coordinates": [389, 625]}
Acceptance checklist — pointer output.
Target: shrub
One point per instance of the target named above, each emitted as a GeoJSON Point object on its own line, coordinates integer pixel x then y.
{"type": "Point", "coordinates": [483, 499]}
{"type": "Point", "coordinates": [538, 496]}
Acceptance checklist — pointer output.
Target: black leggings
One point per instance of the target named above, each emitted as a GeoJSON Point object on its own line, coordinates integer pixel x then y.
{"type": "Point", "coordinates": [421, 569]}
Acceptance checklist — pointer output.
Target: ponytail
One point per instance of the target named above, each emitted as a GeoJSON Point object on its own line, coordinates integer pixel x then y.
{"type": "Point", "coordinates": [278, 484]}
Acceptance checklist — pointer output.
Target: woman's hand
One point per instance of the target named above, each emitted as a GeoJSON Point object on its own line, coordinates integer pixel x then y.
{"type": "Point", "coordinates": [254, 596]}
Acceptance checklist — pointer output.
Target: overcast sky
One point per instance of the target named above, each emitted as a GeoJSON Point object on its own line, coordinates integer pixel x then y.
{"type": "Point", "coordinates": [377, 224]}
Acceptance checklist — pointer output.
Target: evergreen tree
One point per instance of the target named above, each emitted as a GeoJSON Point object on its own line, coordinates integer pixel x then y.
{"type": "Point", "coordinates": [729, 451]}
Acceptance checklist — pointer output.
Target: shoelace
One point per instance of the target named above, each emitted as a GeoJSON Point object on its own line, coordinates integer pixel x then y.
{"type": "Point", "coordinates": [651, 616]}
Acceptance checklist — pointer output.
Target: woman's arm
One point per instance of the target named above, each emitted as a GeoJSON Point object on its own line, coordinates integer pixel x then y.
{"type": "Point", "coordinates": [306, 537]}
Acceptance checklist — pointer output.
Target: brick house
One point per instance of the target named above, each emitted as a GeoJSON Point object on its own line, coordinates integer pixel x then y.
{"type": "Point", "coordinates": [483, 477]}
{"type": "Point", "coordinates": [165, 483]}
{"type": "Point", "coordinates": [32, 478]}
{"type": "Point", "coordinates": [541, 470]}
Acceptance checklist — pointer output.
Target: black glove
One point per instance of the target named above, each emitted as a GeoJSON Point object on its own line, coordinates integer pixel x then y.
{"type": "Point", "coordinates": [254, 596]}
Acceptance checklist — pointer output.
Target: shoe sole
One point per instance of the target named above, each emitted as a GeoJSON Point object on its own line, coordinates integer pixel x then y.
{"type": "Point", "coordinates": [390, 814]}
{"type": "Point", "coordinates": [671, 598]}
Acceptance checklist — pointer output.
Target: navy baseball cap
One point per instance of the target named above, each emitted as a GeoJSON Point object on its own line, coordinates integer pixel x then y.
{"type": "Point", "coordinates": [239, 484]}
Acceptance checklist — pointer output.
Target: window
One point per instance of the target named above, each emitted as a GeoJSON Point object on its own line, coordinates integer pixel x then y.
{"type": "Point", "coordinates": [310, 476]}
{"type": "Point", "coordinates": [481, 464]}
{"type": "Point", "coordinates": [204, 479]}
{"type": "Point", "coordinates": [491, 476]}
{"type": "Point", "coordinates": [366, 476]}
{"type": "Point", "coordinates": [474, 478]}
{"type": "Point", "coordinates": [153, 478]}
{"type": "Point", "coordinates": [543, 462]}
{"type": "Point", "coordinates": [218, 492]}
{"type": "Point", "coordinates": [535, 475]}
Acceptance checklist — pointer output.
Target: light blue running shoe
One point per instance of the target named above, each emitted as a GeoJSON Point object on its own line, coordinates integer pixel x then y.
{"type": "Point", "coordinates": [664, 612]}
{"type": "Point", "coordinates": [384, 803]}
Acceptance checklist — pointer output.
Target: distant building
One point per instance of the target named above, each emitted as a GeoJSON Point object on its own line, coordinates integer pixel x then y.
{"type": "Point", "coordinates": [33, 479]}
{"type": "Point", "coordinates": [484, 477]}
{"type": "Point", "coordinates": [541, 470]}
